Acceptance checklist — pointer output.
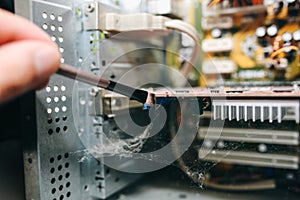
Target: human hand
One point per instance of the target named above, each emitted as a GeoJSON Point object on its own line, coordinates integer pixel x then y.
{"type": "Point", "coordinates": [27, 56]}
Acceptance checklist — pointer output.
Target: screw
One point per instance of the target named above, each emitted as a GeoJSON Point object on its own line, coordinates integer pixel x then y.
{"type": "Point", "coordinates": [90, 8]}
{"type": "Point", "coordinates": [94, 92]}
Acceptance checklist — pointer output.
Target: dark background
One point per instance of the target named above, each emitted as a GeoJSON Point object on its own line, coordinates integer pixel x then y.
{"type": "Point", "coordinates": [11, 160]}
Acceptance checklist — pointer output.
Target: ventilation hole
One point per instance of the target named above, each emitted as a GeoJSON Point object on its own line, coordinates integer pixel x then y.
{"type": "Point", "coordinates": [86, 187]}
{"type": "Point", "coordinates": [61, 187]}
{"type": "Point", "coordinates": [67, 175]}
{"type": "Point", "coordinates": [59, 167]}
{"type": "Point", "coordinates": [63, 98]}
{"type": "Point", "coordinates": [62, 60]}
{"type": "Point", "coordinates": [59, 157]}
{"type": "Point", "coordinates": [182, 196]}
{"type": "Point", "coordinates": [57, 119]}
{"type": "Point", "coordinates": [68, 194]}
{"type": "Point", "coordinates": [56, 99]}
{"type": "Point", "coordinates": [63, 88]}
{"type": "Point", "coordinates": [61, 39]}
{"type": "Point", "coordinates": [67, 165]}
{"type": "Point", "coordinates": [57, 130]}
{"type": "Point", "coordinates": [49, 110]}
{"type": "Point", "coordinates": [54, 199]}
{"type": "Point", "coordinates": [61, 49]}
{"type": "Point", "coordinates": [68, 184]}
{"type": "Point", "coordinates": [53, 180]}
{"type": "Point", "coordinates": [117, 179]}
{"type": "Point", "coordinates": [29, 160]}
{"type": "Point", "coordinates": [103, 62]}
{"type": "Point", "coordinates": [48, 100]}
{"type": "Point", "coordinates": [52, 17]}
{"type": "Point", "coordinates": [98, 172]}
{"type": "Point", "coordinates": [53, 38]}
{"type": "Point", "coordinates": [50, 120]}
{"type": "Point", "coordinates": [82, 101]}
{"type": "Point", "coordinates": [64, 108]}
{"type": "Point", "coordinates": [52, 170]}
{"type": "Point", "coordinates": [60, 18]}
{"type": "Point", "coordinates": [45, 26]}
{"type": "Point", "coordinates": [112, 76]}
{"type": "Point", "coordinates": [53, 190]}
{"type": "Point", "coordinates": [61, 197]}
{"type": "Point", "coordinates": [51, 160]}
{"type": "Point", "coordinates": [65, 118]}
{"type": "Point", "coordinates": [44, 15]}
{"type": "Point", "coordinates": [55, 88]}
{"type": "Point", "coordinates": [56, 109]}
{"type": "Point", "coordinates": [100, 186]}
{"type": "Point", "coordinates": [60, 29]}
{"type": "Point", "coordinates": [52, 27]}
{"type": "Point", "coordinates": [60, 177]}
{"type": "Point", "coordinates": [66, 155]}
{"type": "Point", "coordinates": [50, 131]}
{"type": "Point", "coordinates": [48, 89]}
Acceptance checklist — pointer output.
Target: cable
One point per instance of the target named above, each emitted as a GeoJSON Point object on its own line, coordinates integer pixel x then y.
{"type": "Point", "coordinates": [283, 50]}
{"type": "Point", "coordinates": [191, 32]}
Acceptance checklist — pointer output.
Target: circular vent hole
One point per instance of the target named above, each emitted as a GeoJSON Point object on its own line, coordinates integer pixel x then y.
{"type": "Point", "coordinates": [53, 191]}
{"type": "Point", "coordinates": [68, 194]}
{"type": "Point", "coordinates": [57, 130]}
{"type": "Point", "coordinates": [68, 184]}
{"type": "Point", "coordinates": [50, 120]}
{"type": "Point", "coordinates": [67, 165]}
{"type": "Point", "coordinates": [44, 15]}
{"type": "Point", "coordinates": [45, 26]}
{"type": "Point", "coordinates": [60, 18]}
{"type": "Point", "coordinates": [52, 17]}
{"type": "Point", "coordinates": [50, 131]}
{"type": "Point", "coordinates": [57, 119]}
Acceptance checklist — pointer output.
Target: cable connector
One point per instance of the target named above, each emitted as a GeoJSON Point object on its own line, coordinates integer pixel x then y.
{"type": "Point", "coordinates": [132, 22]}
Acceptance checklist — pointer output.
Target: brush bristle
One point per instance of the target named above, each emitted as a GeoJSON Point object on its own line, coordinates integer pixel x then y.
{"type": "Point", "coordinates": [150, 100]}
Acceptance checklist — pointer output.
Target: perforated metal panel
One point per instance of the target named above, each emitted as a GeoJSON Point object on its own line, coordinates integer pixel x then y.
{"type": "Point", "coordinates": [53, 152]}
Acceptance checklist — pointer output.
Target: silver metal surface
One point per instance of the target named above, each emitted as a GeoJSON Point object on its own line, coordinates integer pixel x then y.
{"type": "Point", "coordinates": [251, 158]}
{"type": "Point", "coordinates": [252, 135]}
{"type": "Point", "coordinates": [56, 162]}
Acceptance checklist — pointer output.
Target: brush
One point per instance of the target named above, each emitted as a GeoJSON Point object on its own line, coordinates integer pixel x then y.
{"type": "Point", "coordinates": [132, 93]}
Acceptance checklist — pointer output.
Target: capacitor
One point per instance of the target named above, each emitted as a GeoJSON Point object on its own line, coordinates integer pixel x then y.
{"type": "Point", "coordinates": [287, 36]}
{"type": "Point", "coordinates": [272, 30]}
{"type": "Point", "coordinates": [260, 31]}
{"type": "Point", "coordinates": [296, 35]}
{"type": "Point", "coordinates": [216, 33]}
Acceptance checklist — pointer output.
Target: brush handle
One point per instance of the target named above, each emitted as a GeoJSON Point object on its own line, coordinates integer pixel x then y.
{"type": "Point", "coordinates": [89, 78]}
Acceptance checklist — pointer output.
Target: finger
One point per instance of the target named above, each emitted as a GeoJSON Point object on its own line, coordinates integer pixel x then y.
{"type": "Point", "coordinates": [24, 66]}
{"type": "Point", "coordinates": [42, 85]}
{"type": "Point", "coordinates": [16, 28]}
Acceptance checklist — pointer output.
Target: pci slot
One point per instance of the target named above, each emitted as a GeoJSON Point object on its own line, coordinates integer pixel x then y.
{"type": "Point", "coordinates": [255, 109]}
{"type": "Point", "coordinates": [251, 135]}
{"type": "Point", "coordinates": [250, 158]}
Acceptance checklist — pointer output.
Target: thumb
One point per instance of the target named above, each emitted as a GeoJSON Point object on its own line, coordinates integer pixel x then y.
{"type": "Point", "coordinates": [25, 65]}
